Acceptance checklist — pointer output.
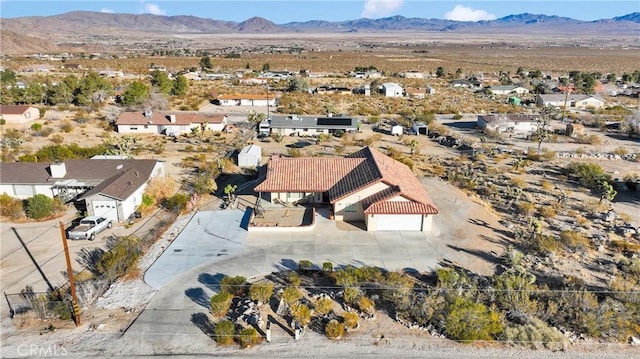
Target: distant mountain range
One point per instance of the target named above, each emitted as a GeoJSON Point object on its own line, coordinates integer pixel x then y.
{"type": "Point", "coordinates": [96, 23]}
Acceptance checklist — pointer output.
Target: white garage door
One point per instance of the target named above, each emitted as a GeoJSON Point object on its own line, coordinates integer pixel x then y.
{"type": "Point", "coordinates": [399, 222]}
{"type": "Point", "coordinates": [106, 209]}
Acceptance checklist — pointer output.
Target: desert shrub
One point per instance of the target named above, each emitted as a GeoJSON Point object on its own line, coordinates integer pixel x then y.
{"type": "Point", "coordinates": [546, 185]}
{"type": "Point", "coordinates": [294, 279]}
{"type": "Point", "coordinates": [248, 337]}
{"type": "Point", "coordinates": [545, 244]}
{"type": "Point", "coordinates": [261, 291]}
{"type": "Point", "coordinates": [547, 211]}
{"type": "Point", "coordinates": [291, 295]}
{"type": "Point", "coordinates": [235, 286]}
{"type": "Point", "coordinates": [177, 202]}
{"type": "Point", "coordinates": [36, 126]}
{"type": "Point", "coordinates": [3, 121]}
{"type": "Point", "coordinates": [468, 321]}
{"type": "Point", "coordinates": [519, 182]}
{"type": "Point", "coordinates": [66, 127]}
{"type": "Point", "coordinates": [119, 259]}
{"type": "Point", "coordinates": [351, 294]}
{"type": "Point", "coordinates": [323, 305]}
{"type": "Point", "coordinates": [39, 206]}
{"type": "Point", "coordinates": [57, 139]}
{"type": "Point", "coordinates": [294, 152]}
{"type": "Point", "coordinates": [366, 305]}
{"type": "Point", "coordinates": [327, 267]}
{"type": "Point", "coordinates": [220, 304]}
{"type": "Point", "coordinates": [574, 240]}
{"type": "Point", "coordinates": [526, 208]}
{"type": "Point", "coordinates": [159, 188]}
{"type": "Point", "coordinates": [621, 245]}
{"type": "Point", "coordinates": [10, 207]}
{"type": "Point", "coordinates": [536, 333]}
{"type": "Point", "coordinates": [621, 151]}
{"type": "Point", "coordinates": [334, 329]}
{"type": "Point", "coordinates": [589, 175]}
{"type": "Point", "coordinates": [223, 332]}
{"type": "Point", "coordinates": [304, 265]}
{"type": "Point", "coordinates": [548, 155]}
{"type": "Point", "coordinates": [350, 320]}
{"type": "Point", "coordinates": [302, 314]}
{"type": "Point", "coordinates": [63, 310]}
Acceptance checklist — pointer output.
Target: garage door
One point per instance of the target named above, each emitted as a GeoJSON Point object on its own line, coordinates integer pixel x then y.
{"type": "Point", "coordinates": [399, 222]}
{"type": "Point", "coordinates": [106, 209]}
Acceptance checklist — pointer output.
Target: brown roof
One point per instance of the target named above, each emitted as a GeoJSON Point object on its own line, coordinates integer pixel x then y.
{"type": "Point", "coordinates": [121, 185]}
{"type": "Point", "coordinates": [341, 177]}
{"type": "Point", "coordinates": [92, 172]}
{"type": "Point", "coordinates": [247, 97]}
{"type": "Point", "coordinates": [13, 109]}
{"type": "Point", "coordinates": [162, 118]}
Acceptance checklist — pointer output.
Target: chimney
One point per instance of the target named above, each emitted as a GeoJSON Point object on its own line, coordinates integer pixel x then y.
{"type": "Point", "coordinates": [172, 118]}
{"type": "Point", "coordinates": [58, 170]}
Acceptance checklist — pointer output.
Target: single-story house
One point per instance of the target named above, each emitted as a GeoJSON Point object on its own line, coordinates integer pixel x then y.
{"type": "Point", "coordinates": [416, 92]}
{"type": "Point", "coordinates": [246, 100]}
{"type": "Point", "coordinates": [169, 122]}
{"type": "Point", "coordinates": [392, 89]}
{"type": "Point", "coordinates": [508, 90]}
{"type": "Point", "coordinates": [111, 188]}
{"type": "Point", "coordinates": [329, 89]}
{"type": "Point", "coordinates": [19, 113]}
{"type": "Point", "coordinates": [412, 74]}
{"type": "Point", "coordinates": [574, 130]}
{"type": "Point", "coordinates": [291, 125]}
{"type": "Point", "coordinates": [571, 100]}
{"type": "Point", "coordinates": [364, 186]}
{"type": "Point", "coordinates": [518, 124]}
{"type": "Point", "coordinates": [468, 84]}
{"type": "Point", "coordinates": [250, 156]}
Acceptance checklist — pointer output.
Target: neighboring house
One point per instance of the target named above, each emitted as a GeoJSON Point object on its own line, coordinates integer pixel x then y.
{"type": "Point", "coordinates": [246, 100]}
{"type": "Point", "coordinates": [111, 188]}
{"type": "Point", "coordinates": [329, 90]}
{"type": "Point", "coordinates": [366, 74]}
{"type": "Point", "coordinates": [169, 122]}
{"type": "Point", "coordinates": [414, 92]}
{"type": "Point", "coordinates": [468, 84]}
{"type": "Point", "coordinates": [250, 156]}
{"type": "Point", "coordinates": [365, 186]}
{"type": "Point", "coordinates": [508, 90]}
{"type": "Point", "coordinates": [291, 125]}
{"type": "Point", "coordinates": [575, 130]}
{"type": "Point", "coordinates": [571, 100]}
{"type": "Point", "coordinates": [391, 89]}
{"type": "Point", "coordinates": [413, 74]}
{"type": "Point", "coordinates": [517, 124]}
{"type": "Point", "coordinates": [19, 113]}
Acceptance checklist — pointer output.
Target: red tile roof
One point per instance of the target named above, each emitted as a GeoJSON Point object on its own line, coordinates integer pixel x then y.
{"type": "Point", "coordinates": [341, 177]}
{"type": "Point", "coordinates": [162, 118]}
{"type": "Point", "coordinates": [13, 109]}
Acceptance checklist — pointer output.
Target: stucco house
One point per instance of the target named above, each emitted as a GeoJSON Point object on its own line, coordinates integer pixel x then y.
{"type": "Point", "coordinates": [571, 100]}
{"type": "Point", "coordinates": [508, 90]}
{"type": "Point", "coordinates": [291, 125]}
{"type": "Point", "coordinates": [19, 113]}
{"type": "Point", "coordinates": [364, 186]}
{"type": "Point", "coordinates": [111, 188]}
{"type": "Point", "coordinates": [391, 89]}
{"type": "Point", "coordinates": [246, 100]}
{"type": "Point", "coordinates": [169, 122]}
{"type": "Point", "coordinates": [516, 124]}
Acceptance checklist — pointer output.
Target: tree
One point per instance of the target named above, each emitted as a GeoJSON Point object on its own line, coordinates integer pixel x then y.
{"type": "Point", "coordinates": [92, 88]}
{"type": "Point", "coordinates": [220, 304]}
{"type": "Point", "coordinates": [39, 206]}
{"type": "Point", "coordinates": [233, 285]}
{"type": "Point", "coordinates": [256, 117]}
{"type": "Point", "coordinates": [224, 332]}
{"type": "Point", "coordinates": [205, 62]}
{"type": "Point", "coordinates": [440, 71]}
{"type": "Point", "coordinates": [261, 291]}
{"type": "Point", "coordinates": [266, 67]}
{"type": "Point", "coordinates": [161, 82]}
{"type": "Point", "coordinates": [180, 86]}
{"type": "Point", "coordinates": [302, 314]}
{"type": "Point", "coordinates": [542, 129]}
{"type": "Point", "coordinates": [230, 191]}
{"type": "Point", "coordinates": [135, 94]}
{"type": "Point", "coordinates": [468, 321]}
{"type": "Point", "coordinates": [291, 295]}
{"type": "Point", "coordinates": [297, 84]}
{"type": "Point", "coordinates": [607, 191]}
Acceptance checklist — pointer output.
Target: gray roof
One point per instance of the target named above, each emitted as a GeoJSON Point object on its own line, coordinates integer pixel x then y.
{"type": "Point", "coordinates": [91, 172]}
{"type": "Point", "coordinates": [570, 97]}
{"type": "Point", "coordinates": [251, 150]}
{"type": "Point", "coordinates": [315, 122]}
{"type": "Point", "coordinates": [493, 118]}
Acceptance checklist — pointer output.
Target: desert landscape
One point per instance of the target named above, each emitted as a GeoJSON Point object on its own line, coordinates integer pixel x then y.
{"type": "Point", "coordinates": [532, 249]}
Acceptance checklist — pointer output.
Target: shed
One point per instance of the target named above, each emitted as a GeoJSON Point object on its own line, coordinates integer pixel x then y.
{"type": "Point", "coordinates": [397, 130]}
{"type": "Point", "coordinates": [515, 100]}
{"type": "Point", "coordinates": [575, 130]}
{"type": "Point", "coordinates": [420, 128]}
{"type": "Point", "coordinates": [249, 156]}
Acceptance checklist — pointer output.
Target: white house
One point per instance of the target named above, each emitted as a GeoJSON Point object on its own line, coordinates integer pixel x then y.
{"type": "Point", "coordinates": [291, 125]}
{"type": "Point", "coordinates": [392, 89]}
{"type": "Point", "coordinates": [516, 124]}
{"type": "Point", "coordinates": [365, 186]}
{"type": "Point", "coordinates": [19, 114]}
{"type": "Point", "coordinates": [246, 100]}
{"type": "Point", "coordinates": [508, 90]}
{"type": "Point", "coordinates": [571, 100]}
{"type": "Point", "coordinates": [109, 187]}
{"type": "Point", "coordinates": [169, 122]}
{"type": "Point", "coordinates": [250, 156]}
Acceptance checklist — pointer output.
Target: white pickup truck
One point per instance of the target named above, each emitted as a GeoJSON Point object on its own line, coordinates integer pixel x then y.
{"type": "Point", "coordinates": [89, 227]}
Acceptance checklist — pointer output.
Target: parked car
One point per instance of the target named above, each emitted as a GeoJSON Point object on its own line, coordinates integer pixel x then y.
{"type": "Point", "coordinates": [89, 227]}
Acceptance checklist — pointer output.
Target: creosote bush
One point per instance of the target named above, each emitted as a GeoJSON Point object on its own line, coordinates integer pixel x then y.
{"type": "Point", "coordinates": [10, 207]}
{"type": "Point", "coordinates": [334, 329]}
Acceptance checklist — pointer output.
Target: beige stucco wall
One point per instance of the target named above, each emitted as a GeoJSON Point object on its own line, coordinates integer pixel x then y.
{"type": "Point", "coordinates": [31, 114]}
{"type": "Point", "coordinates": [339, 207]}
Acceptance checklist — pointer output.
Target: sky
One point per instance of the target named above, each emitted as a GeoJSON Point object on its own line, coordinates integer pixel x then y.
{"type": "Point", "coordinates": [332, 10]}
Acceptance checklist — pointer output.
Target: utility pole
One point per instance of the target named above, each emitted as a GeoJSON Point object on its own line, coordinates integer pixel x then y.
{"type": "Point", "coordinates": [72, 284]}
{"type": "Point", "coordinates": [268, 101]}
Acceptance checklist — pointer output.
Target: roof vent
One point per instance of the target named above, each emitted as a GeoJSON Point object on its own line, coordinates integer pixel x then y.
{"type": "Point", "coordinates": [148, 113]}
{"type": "Point", "coordinates": [172, 118]}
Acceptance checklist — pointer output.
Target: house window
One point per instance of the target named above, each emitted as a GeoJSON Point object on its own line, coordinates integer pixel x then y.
{"type": "Point", "coordinates": [351, 208]}
{"type": "Point", "coordinates": [133, 128]}
{"type": "Point", "coordinates": [146, 126]}
{"type": "Point", "coordinates": [24, 190]}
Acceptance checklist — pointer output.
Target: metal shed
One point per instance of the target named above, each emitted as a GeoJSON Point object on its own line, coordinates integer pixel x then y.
{"type": "Point", "coordinates": [250, 156]}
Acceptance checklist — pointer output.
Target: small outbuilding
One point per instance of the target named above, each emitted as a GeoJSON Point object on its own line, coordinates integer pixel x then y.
{"type": "Point", "coordinates": [420, 128]}
{"type": "Point", "coordinates": [575, 130]}
{"type": "Point", "coordinates": [397, 130]}
{"type": "Point", "coordinates": [250, 156]}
